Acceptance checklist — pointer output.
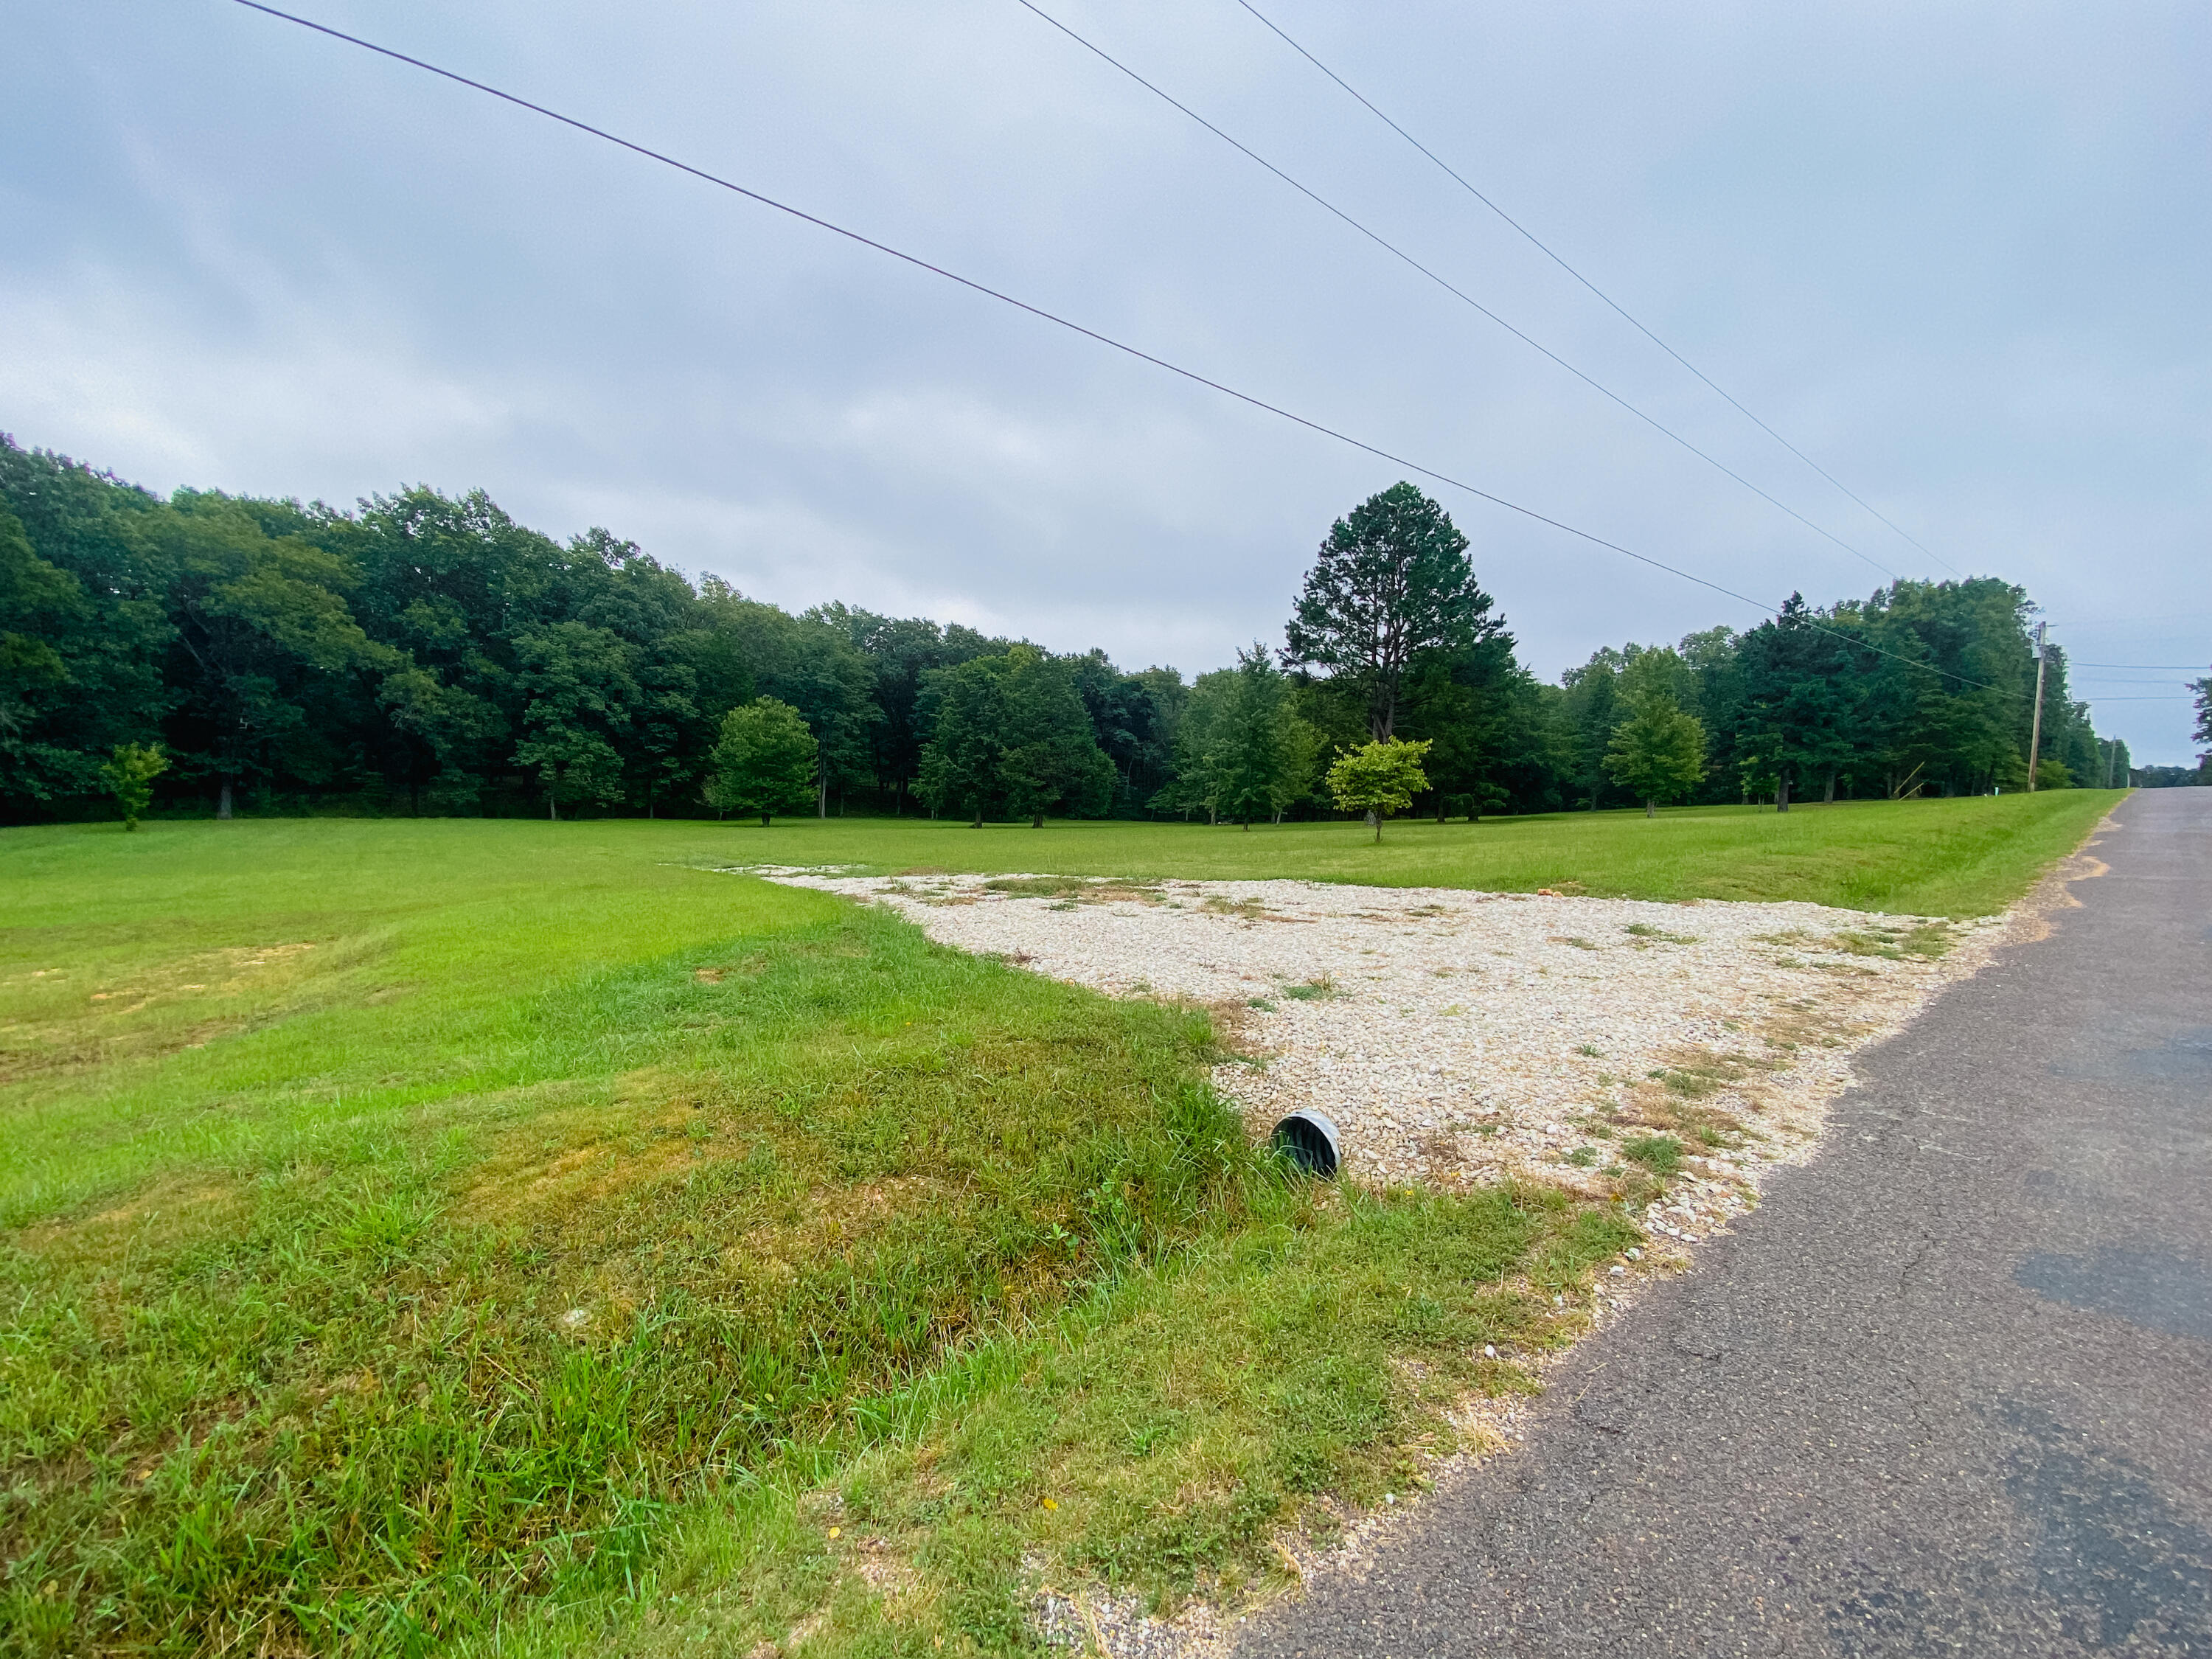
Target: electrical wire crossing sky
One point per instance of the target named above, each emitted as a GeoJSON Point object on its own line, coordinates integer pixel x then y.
{"type": "Point", "coordinates": [1951, 259]}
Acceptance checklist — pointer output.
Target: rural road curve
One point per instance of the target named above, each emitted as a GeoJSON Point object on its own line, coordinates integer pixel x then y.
{"type": "Point", "coordinates": [1947, 1391]}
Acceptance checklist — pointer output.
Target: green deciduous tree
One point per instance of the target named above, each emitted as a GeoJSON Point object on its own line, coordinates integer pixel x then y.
{"type": "Point", "coordinates": [579, 682]}
{"type": "Point", "coordinates": [1379, 778]}
{"type": "Point", "coordinates": [1243, 752]}
{"type": "Point", "coordinates": [1051, 760]}
{"type": "Point", "coordinates": [265, 640]}
{"type": "Point", "coordinates": [1658, 753]}
{"type": "Point", "coordinates": [1011, 736]}
{"type": "Point", "coordinates": [130, 772]}
{"type": "Point", "coordinates": [1391, 582]}
{"type": "Point", "coordinates": [765, 762]}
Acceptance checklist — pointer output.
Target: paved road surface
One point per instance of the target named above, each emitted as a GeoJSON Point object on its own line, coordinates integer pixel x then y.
{"type": "Point", "coordinates": [1947, 1392]}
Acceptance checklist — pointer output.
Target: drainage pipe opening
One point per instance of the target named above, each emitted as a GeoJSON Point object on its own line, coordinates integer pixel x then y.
{"type": "Point", "coordinates": [1308, 1140]}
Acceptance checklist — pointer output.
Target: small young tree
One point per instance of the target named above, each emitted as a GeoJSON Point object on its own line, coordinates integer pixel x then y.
{"type": "Point", "coordinates": [130, 774]}
{"type": "Point", "coordinates": [1658, 753]}
{"type": "Point", "coordinates": [1379, 778]}
{"type": "Point", "coordinates": [763, 762]}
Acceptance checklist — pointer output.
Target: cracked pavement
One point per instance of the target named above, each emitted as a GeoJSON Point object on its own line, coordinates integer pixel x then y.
{"type": "Point", "coordinates": [1922, 1401]}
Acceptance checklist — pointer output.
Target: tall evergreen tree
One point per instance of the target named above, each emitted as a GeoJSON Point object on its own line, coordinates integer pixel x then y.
{"type": "Point", "coordinates": [1391, 582]}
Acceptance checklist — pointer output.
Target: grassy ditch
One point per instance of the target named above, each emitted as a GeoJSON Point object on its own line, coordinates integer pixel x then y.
{"type": "Point", "coordinates": [417, 1241]}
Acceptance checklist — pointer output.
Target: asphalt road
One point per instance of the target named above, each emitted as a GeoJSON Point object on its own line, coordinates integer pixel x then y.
{"type": "Point", "coordinates": [1949, 1391]}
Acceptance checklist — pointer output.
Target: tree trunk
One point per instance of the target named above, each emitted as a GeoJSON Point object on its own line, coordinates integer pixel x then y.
{"type": "Point", "coordinates": [223, 800]}
{"type": "Point", "coordinates": [1037, 821]}
{"type": "Point", "coordinates": [763, 820]}
{"type": "Point", "coordinates": [1651, 811]}
{"type": "Point", "coordinates": [1378, 828]}
{"type": "Point", "coordinates": [1830, 798]}
{"type": "Point", "coordinates": [552, 812]}
{"type": "Point", "coordinates": [1781, 792]}
{"type": "Point", "coordinates": [822, 798]}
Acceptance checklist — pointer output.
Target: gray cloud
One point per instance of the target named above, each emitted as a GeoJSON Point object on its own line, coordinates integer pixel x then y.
{"type": "Point", "coordinates": [1957, 254]}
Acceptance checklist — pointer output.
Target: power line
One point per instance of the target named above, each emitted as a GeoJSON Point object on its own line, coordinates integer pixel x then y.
{"type": "Point", "coordinates": [1457, 293]}
{"type": "Point", "coordinates": [2134, 664]}
{"type": "Point", "coordinates": [1615, 306]}
{"type": "Point", "coordinates": [1039, 312]}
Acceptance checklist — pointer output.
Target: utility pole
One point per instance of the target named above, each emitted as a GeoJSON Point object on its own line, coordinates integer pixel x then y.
{"type": "Point", "coordinates": [2109, 744]}
{"type": "Point", "coordinates": [2035, 731]}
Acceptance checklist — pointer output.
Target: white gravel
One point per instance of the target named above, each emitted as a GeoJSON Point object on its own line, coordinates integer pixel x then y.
{"type": "Point", "coordinates": [1458, 1037]}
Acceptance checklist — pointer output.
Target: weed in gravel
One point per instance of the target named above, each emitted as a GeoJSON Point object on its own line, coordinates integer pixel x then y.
{"type": "Point", "coordinates": [1645, 931]}
{"type": "Point", "coordinates": [1314, 990]}
{"type": "Point", "coordinates": [1589, 1048]}
{"type": "Point", "coordinates": [1660, 1154]}
{"type": "Point", "coordinates": [1926, 939]}
{"type": "Point", "coordinates": [1036, 886]}
{"type": "Point", "coordinates": [1075, 889]}
{"type": "Point", "coordinates": [1579, 943]}
{"type": "Point", "coordinates": [1262, 1004]}
{"type": "Point", "coordinates": [1582, 1156]}
{"type": "Point", "coordinates": [1251, 909]}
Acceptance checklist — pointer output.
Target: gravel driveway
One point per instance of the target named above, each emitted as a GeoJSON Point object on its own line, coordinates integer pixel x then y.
{"type": "Point", "coordinates": [1459, 1037]}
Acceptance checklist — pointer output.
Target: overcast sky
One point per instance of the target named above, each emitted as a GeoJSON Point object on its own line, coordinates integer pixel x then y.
{"type": "Point", "coordinates": [1958, 254]}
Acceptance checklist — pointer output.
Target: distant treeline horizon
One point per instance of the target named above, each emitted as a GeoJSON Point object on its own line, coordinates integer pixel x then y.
{"type": "Point", "coordinates": [423, 654]}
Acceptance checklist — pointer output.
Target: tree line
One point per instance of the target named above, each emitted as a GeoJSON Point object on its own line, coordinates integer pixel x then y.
{"type": "Point", "coordinates": [424, 653]}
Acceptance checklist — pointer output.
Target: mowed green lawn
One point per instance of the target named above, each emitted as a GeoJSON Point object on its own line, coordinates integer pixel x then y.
{"type": "Point", "coordinates": [444, 1235]}
{"type": "Point", "coordinates": [1958, 858]}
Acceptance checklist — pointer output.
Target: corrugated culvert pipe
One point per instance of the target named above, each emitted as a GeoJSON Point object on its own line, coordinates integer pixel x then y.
{"type": "Point", "coordinates": [1308, 1140]}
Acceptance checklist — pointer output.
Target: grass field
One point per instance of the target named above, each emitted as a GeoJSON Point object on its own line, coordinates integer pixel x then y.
{"type": "Point", "coordinates": [511, 1237]}
{"type": "Point", "coordinates": [1963, 857]}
